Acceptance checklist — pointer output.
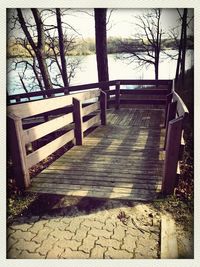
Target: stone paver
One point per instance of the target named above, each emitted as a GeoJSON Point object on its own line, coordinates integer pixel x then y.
{"type": "Point", "coordinates": [70, 254]}
{"type": "Point", "coordinates": [55, 253]}
{"type": "Point", "coordinates": [98, 252]}
{"type": "Point", "coordinates": [118, 254]}
{"type": "Point", "coordinates": [88, 243]}
{"type": "Point", "coordinates": [97, 235]}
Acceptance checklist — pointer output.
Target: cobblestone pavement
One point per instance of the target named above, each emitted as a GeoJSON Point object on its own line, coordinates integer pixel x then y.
{"type": "Point", "coordinates": [112, 231]}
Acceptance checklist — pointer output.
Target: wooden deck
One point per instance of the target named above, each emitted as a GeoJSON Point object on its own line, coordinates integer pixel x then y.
{"type": "Point", "coordinates": [122, 160]}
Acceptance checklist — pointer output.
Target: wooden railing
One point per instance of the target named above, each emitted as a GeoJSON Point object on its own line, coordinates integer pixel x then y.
{"type": "Point", "coordinates": [19, 138]}
{"type": "Point", "coordinates": [117, 84]}
{"type": "Point", "coordinates": [177, 114]}
{"type": "Point", "coordinates": [78, 112]}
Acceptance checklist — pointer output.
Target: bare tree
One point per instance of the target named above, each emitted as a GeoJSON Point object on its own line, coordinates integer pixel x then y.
{"type": "Point", "coordinates": [39, 47]}
{"type": "Point", "coordinates": [146, 46]}
{"type": "Point", "coordinates": [62, 50]}
{"type": "Point", "coordinates": [180, 69]}
{"type": "Point", "coordinates": [46, 41]}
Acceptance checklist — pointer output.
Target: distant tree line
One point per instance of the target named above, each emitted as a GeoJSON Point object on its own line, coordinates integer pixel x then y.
{"type": "Point", "coordinates": [87, 46]}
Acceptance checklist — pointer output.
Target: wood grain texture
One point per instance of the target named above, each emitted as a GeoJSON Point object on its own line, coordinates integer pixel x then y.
{"type": "Point", "coordinates": [172, 155]}
{"type": "Point", "coordinates": [28, 109]}
{"type": "Point", "coordinates": [43, 129]}
{"type": "Point", "coordinates": [48, 149]}
{"type": "Point", "coordinates": [181, 107]}
{"type": "Point", "coordinates": [122, 160]}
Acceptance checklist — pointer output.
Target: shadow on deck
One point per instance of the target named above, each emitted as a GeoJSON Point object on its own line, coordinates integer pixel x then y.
{"type": "Point", "coordinates": [122, 160]}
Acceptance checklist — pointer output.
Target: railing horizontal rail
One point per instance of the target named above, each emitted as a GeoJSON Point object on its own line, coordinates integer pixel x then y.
{"type": "Point", "coordinates": [181, 107]}
{"type": "Point", "coordinates": [140, 101]}
{"type": "Point", "coordinates": [48, 149]}
{"type": "Point", "coordinates": [29, 109]}
{"type": "Point", "coordinates": [91, 108]}
{"type": "Point", "coordinates": [144, 91]}
{"type": "Point", "coordinates": [52, 92]}
{"type": "Point", "coordinates": [145, 82]}
{"type": "Point", "coordinates": [89, 123]}
{"type": "Point", "coordinates": [43, 129]}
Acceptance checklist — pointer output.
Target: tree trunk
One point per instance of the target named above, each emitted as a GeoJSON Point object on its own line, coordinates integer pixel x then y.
{"type": "Point", "coordinates": [62, 51]}
{"type": "Point", "coordinates": [44, 70]}
{"type": "Point", "coordinates": [101, 44]}
{"type": "Point", "coordinates": [38, 49]}
{"type": "Point", "coordinates": [179, 57]}
{"type": "Point", "coordinates": [180, 68]}
{"type": "Point", "coordinates": [184, 46]}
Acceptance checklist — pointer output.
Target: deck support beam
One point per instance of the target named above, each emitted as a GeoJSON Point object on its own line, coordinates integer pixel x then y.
{"type": "Point", "coordinates": [168, 101]}
{"type": "Point", "coordinates": [171, 114]}
{"type": "Point", "coordinates": [117, 96]}
{"type": "Point", "coordinates": [172, 155]}
{"type": "Point", "coordinates": [78, 120]}
{"type": "Point", "coordinates": [103, 107]}
{"type": "Point", "coordinates": [18, 152]}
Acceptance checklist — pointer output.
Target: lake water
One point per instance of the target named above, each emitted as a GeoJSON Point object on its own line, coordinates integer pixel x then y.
{"type": "Point", "coordinates": [118, 69]}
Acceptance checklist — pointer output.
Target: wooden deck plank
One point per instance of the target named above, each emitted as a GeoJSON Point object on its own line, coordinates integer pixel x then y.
{"type": "Point", "coordinates": [122, 160]}
{"type": "Point", "coordinates": [90, 176]}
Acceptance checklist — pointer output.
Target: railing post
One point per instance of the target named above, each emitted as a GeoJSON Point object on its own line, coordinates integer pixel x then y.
{"type": "Point", "coordinates": [117, 95]}
{"type": "Point", "coordinates": [172, 155]}
{"type": "Point", "coordinates": [18, 151]}
{"type": "Point", "coordinates": [168, 101]}
{"type": "Point", "coordinates": [171, 114]}
{"type": "Point", "coordinates": [78, 120]}
{"type": "Point", "coordinates": [103, 107]}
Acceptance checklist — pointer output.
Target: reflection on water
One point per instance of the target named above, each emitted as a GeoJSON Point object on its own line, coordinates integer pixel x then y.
{"type": "Point", "coordinates": [118, 69]}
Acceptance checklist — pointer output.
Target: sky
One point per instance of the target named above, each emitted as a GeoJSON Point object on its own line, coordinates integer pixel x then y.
{"type": "Point", "coordinates": [121, 23]}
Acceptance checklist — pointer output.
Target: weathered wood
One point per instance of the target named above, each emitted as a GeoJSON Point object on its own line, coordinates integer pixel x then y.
{"type": "Point", "coordinates": [117, 96]}
{"type": "Point", "coordinates": [72, 180]}
{"type": "Point", "coordinates": [144, 82]}
{"type": "Point", "coordinates": [97, 194]}
{"type": "Point", "coordinates": [91, 122]}
{"type": "Point", "coordinates": [168, 101]}
{"type": "Point", "coordinates": [45, 93]}
{"type": "Point", "coordinates": [172, 155]}
{"type": "Point", "coordinates": [25, 110]}
{"type": "Point", "coordinates": [43, 129]}
{"type": "Point", "coordinates": [91, 175]}
{"type": "Point", "coordinates": [103, 105]}
{"type": "Point", "coordinates": [111, 163]}
{"type": "Point", "coordinates": [171, 114]}
{"type": "Point", "coordinates": [78, 120]}
{"type": "Point", "coordinates": [182, 147]}
{"type": "Point", "coordinates": [18, 152]}
{"type": "Point", "coordinates": [90, 94]}
{"type": "Point", "coordinates": [48, 149]}
{"type": "Point", "coordinates": [139, 101]}
{"type": "Point", "coordinates": [150, 91]}
{"type": "Point", "coordinates": [111, 92]}
{"type": "Point", "coordinates": [95, 188]}
{"type": "Point", "coordinates": [90, 108]}
{"type": "Point", "coordinates": [181, 107]}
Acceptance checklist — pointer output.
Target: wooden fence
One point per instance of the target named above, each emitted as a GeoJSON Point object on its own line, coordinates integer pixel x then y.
{"type": "Point", "coordinates": [19, 138]}
{"type": "Point", "coordinates": [160, 87]}
{"type": "Point", "coordinates": [177, 114]}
